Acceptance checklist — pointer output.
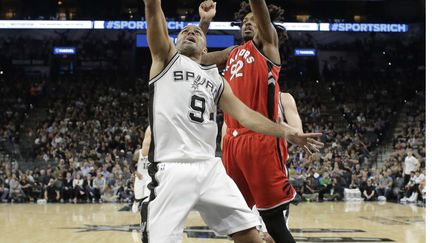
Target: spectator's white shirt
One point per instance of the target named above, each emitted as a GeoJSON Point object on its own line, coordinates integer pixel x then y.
{"type": "Point", "coordinates": [410, 164]}
{"type": "Point", "coordinates": [58, 139]}
{"type": "Point", "coordinates": [78, 182]}
{"type": "Point", "coordinates": [14, 185]}
{"type": "Point", "coordinates": [419, 178]}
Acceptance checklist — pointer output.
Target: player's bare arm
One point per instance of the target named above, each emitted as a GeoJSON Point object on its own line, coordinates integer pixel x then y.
{"type": "Point", "coordinates": [207, 11]}
{"type": "Point", "coordinates": [254, 121]}
{"type": "Point", "coordinates": [146, 142]}
{"type": "Point", "coordinates": [290, 111]}
{"type": "Point", "coordinates": [162, 49]}
{"type": "Point", "coordinates": [223, 132]}
{"type": "Point", "coordinates": [217, 57]}
{"type": "Point", "coordinates": [293, 118]}
{"type": "Point", "coordinates": [267, 37]}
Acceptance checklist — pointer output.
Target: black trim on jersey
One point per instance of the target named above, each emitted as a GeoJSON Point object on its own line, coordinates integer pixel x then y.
{"type": "Point", "coordinates": [207, 67]}
{"type": "Point", "coordinates": [153, 166]}
{"type": "Point", "coordinates": [279, 152]}
{"type": "Point", "coordinates": [144, 221]}
{"type": "Point", "coordinates": [262, 54]}
{"type": "Point", "coordinates": [282, 108]}
{"type": "Point", "coordinates": [165, 70]}
{"type": "Point", "coordinates": [270, 93]}
{"type": "Point", "coordinates": [150, 112]}
{"type": "Point", "coordinates": [220, 91]}
{"type": "Point", "coordinates": [152, 170]}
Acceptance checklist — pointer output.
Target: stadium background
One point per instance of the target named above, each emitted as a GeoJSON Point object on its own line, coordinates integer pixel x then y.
{"type": "Point", "coordinates": [73, 97]}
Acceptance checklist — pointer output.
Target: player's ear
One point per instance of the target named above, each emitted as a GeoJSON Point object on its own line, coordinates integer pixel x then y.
{"type": "Point", "coordinates": [205, 51]}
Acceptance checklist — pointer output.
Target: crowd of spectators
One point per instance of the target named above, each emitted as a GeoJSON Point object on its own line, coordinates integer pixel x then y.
{"type": "Point", "coordinates": [370, 106]}
{"type": "Point", "coordinates": [89, 117]}
{"type": "Point", "coordinates": [67, 181]}
{"type": "Point", "coordinates": [89, 45]}
{"type": "Point", "coordinates": [82, 148]}
{"type": "Point", "coordinates": [19, 96]}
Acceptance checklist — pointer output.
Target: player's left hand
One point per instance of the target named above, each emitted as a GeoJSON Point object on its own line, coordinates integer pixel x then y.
{"type": "Point", "coordinates": [207, 10]}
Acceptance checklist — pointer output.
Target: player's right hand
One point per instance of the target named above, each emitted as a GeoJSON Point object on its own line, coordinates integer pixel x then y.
{"type": "Point", "coordinates": [207, 10]}
{"type": "Point", "coordinates": [305, 140]}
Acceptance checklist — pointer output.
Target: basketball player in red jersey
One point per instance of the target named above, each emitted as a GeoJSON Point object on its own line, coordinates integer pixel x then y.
{"type": "Point", "coordinates": [257, 162]}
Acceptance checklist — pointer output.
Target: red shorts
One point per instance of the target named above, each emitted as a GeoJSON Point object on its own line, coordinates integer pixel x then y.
{"type": "Point", "coordinates": [256, 163]}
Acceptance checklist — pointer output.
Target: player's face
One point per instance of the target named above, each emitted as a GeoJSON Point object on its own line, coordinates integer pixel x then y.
{"type": "Point", "coordinates": [191, 41]}
{"type": "Point", "coordinates": [248, 27]}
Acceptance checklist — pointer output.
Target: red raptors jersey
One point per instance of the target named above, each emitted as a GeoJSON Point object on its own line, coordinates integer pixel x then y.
{"type": "Point", "coordinates": [254, 80]}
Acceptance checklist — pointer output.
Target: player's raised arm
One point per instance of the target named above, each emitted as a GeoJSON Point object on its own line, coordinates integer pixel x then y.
{"type": "Point", "coordinates": [207, 11]}
{"type": "Point", "coordinates": [266, 31]}
{"type": "Point", "coordinates": [161, 47]}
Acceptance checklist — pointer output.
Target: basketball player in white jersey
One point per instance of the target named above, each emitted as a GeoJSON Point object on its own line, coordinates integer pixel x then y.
{"type": "Point", "coordinates": [185, 173]}
{"type": "Point", "coordinates": [142, 177]}
{"type": "Point", "coordinates": [288, 113]}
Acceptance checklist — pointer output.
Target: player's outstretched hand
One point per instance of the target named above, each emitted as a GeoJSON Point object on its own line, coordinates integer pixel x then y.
{"type": "Point", "coordinates": [308, 141]}
{"type": "Point", "coordinates": [207, 10]}
{"type": "Point", "coordinates": [305, 140]}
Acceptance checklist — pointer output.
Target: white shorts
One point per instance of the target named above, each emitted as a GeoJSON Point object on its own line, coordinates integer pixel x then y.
{"type": "Point", "coordinates": [203, 186]}
{"type": "Point", "coordinates": [263, 227]}
{"type": "Point", "coordinates": [140, 186]}
{"type": "Point", "coordinates": [140, 189]}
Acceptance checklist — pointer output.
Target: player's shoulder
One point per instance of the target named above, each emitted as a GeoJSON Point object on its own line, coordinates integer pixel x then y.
{"type": "Point", "coordinates": [286, 95]}
{"type": "Point", "coordinates": [287, 98]}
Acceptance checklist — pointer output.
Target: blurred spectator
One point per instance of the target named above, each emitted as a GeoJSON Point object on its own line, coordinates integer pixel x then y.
{"type": "Point", "coordinates": [384, 185]}
{"type": "Point", "coordinates": [51, 193]}
{"type": "Point", "coordinates": [99, 185]}
{"type": "Point", "coordinates": [411, 164]}
{"type": "Point", "coordinates": [335, 191]}
{"type": "Point", "coordinates": [369, 191]}
{"type": "Point", "coordinates": [78, 186]}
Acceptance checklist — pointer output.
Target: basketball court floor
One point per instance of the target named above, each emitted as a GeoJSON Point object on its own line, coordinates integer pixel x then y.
{"type": "Point", "coordinates": [309, 222]}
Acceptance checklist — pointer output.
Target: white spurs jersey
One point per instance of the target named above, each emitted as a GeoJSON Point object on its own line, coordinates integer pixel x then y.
{"type": "Point", "coordinates": [182, 111]}
{"type": "Point", "coordinates": [142, 167]}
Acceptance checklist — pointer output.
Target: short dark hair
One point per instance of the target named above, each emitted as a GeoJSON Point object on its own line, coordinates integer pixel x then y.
{"type": "Point", "coordinates": [276, 12]}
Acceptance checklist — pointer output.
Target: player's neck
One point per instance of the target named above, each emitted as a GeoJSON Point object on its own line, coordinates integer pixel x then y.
{"type": "Point", "coordinates": [196, 58]}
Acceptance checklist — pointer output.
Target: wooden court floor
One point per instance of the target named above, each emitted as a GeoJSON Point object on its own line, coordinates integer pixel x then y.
{"type": "Point", "coordinates": [309, 222]}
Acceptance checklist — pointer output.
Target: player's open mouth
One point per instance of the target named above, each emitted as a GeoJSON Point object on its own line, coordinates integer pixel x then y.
{"type": "Point", "coordinates": [190, 40]}
{"type": "Point", "coordinates": [248, 31]}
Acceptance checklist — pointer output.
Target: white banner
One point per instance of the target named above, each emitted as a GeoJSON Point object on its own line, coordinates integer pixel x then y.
{"type": "Point", "coordinates": [45, 24]}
